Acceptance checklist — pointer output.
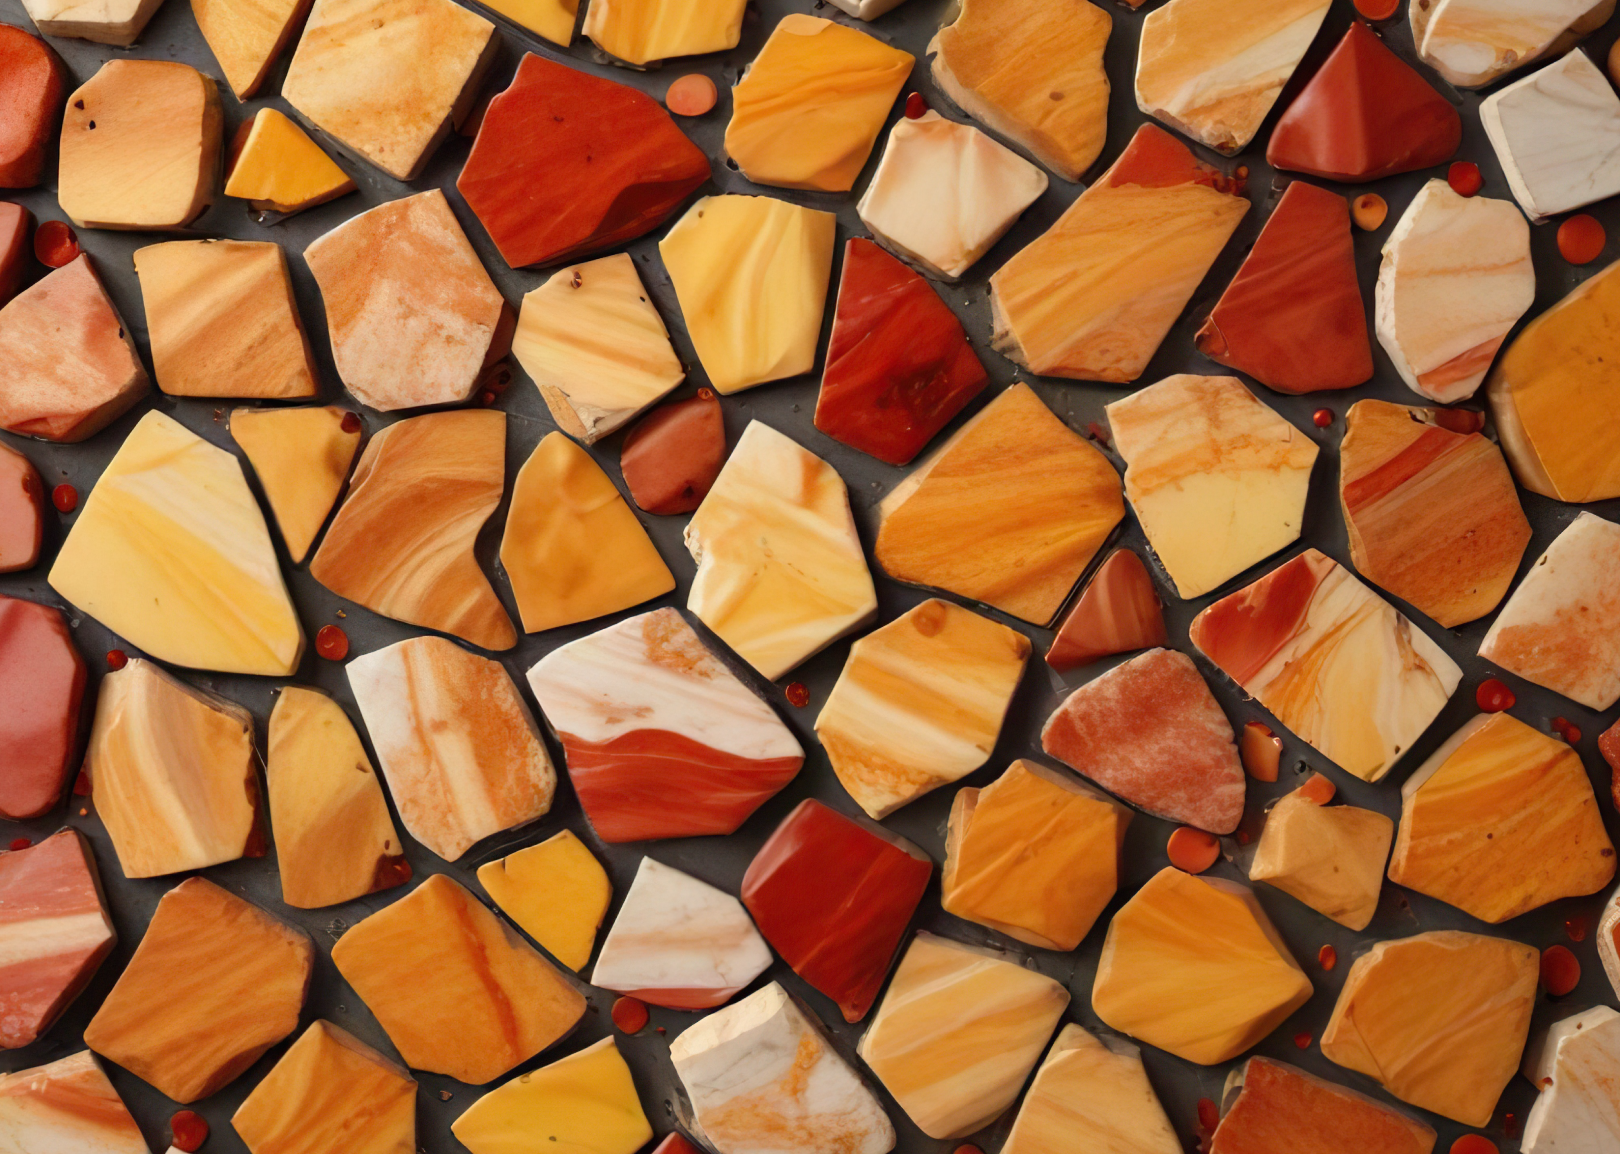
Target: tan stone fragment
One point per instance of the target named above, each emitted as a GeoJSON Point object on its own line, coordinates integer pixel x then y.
{"type": "Point", "coordinates": [1329, 857]}
{"type": "Point", "coordinates": [301, 457]}
{"type": "Point", "coordinates": [246, 36]}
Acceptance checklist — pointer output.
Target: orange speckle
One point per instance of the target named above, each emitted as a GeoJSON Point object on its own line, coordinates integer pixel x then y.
{"type": "Point", "coordinates": [1581, 239]}
{"type": "Point", "coordinates": [691, 95]}
{"type": "Point", "coordinates": [1560, 970]}
{"type": "Point", "coordinates": [1464, 178]}
{"type": "Point", "coordinates": [1368, 211]}
{"type": "Point", "coordinates": [1193, 850]}
{"type": "Point", "coordinates": [1318, 790]}
{"type": "Point", "coordinates": [1327, 957]}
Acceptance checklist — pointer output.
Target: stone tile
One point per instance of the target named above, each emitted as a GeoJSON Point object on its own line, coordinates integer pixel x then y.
{"type": "Point", "coordinates": [301, 457]}
{"type": "Point", "coordinates": [1117, 612]}
{"type": "Point", "coordinates": [1556, 133]}
{"type": "Point", "coordinates": [1330, 857]}
{"type": "Point", "coordinates": [557, 893]}
{"type": "Point", "coordinates": [42, 679]}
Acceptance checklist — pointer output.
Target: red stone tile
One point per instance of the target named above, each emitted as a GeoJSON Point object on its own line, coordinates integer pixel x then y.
{"type": "Point", "coordinates": [1281, 1108]}
{"type": "Point", "coordinates": [41, 686]}
{"type": "Point", "coordinates": [22, 511]}
{"type": "Point", "coordinates": [899, 365]}
{"type": "Point", "coordinates": [1117, 612]}
{"type": "Point", "coordinates": [673, 454]}
{"type": "Point", "coordinates": [567, 164]}
{"type": "Point", "coordinates": [32, 87]}
{"type": "Point", "coordinates": [16, 227]}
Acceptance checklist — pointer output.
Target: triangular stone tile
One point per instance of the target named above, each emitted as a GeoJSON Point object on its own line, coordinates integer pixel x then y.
{"type": "Point", "coordinates": [301, 457]}
{"type": "Point", "coordinates": [1117, 612]}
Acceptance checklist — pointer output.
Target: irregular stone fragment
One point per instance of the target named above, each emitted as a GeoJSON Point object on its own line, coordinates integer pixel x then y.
{"type": "Point", "coordinates": [944, 193]}
{"type": "Point", "coordinates": [1555, 396]}
{"type": "Point", "coordinates": [1456, 276]}
{"type": "Point", "coordinates": [280, 169]}
{"type": "Point", "coordinates": [567, 164]}
{"type": "Point", "coordinates": [330, 1091]}
{"type": "Point", "coordinates": [403, 338]}
{"type": "Point", "coordinates": [493, 1002]}
{"type": "Point", "coordinates": [672, 456]}
{"type": "Point", "coordinates": [140, 146]}
{"type": "Point", "coordinates": [761, 1073]}
{"type": "Point", "coordinates": [1150, 732]}
{"type": "Point", "coordinates": [1473, 42]}
{"type": "Point", "coordinates": [388, 78]}
{"type": "Point", "coordinates": [54, 934]}
{"type": "Point", "coordinates": [1432, 514]}
{"type": "Point", "coordinates": [780, 570]}
{"type": "Point", "coordinates": [662, 740]}
{"type": "Point", "coordinates": [641, 32]}
{"type": "Point", "coordinates": [1555, 133]}
{"type": "Point", "coordinates": [572, 548]}
{"type": "Point", "coordinates": [42, 680]}
{"type": "Point", "coordinates": [809, 109]}
{"type": "Point", "coordinates": [171, 553]}
{"type": "Point", "coordinates": [22, 512]}
{"type": "Point", "coordinates": [1192, 965]}
{"type": "Point", "coordinates": [402, 544]}
{"type": "Point", "coordinates": [16, 240]}
{"type": "Point", "coordinates": [1118, 611]}
{"type": "Point", "coordinates": [957, 1033]}
{"type": "Point", "coordinates": [246, 36]}
{"type": "Point", "coordinates": [1331, 857]}
{"type": "Point", "coordinates": [301, 457]}
{"type": "Point", "coordinates": [585, 1102]}
{"type": "Point", "coordinates": [1213, 69]}
{"type": "Point", "coordinates": [552, 20]}
{"type": "Point", "coordinates": [1279, 1107]}
{"type": "Point", "coordinates": [116, 22]}
{"type": "Point", "coordinates": [1091, 1094]}
{"type": "Point", "coordinates": [32, 91]}
{"type": "Point", "coordinates": [1500, 820]}
{"type": "Point", "coordinates": [1009, 511]}
{"type": "Point", "coordinates": [67, 1104]}
{"type": "Point", "coordinates": [920, 703]}
{"type": "Point", "coordinates": [68, 366]}
{"type": "Point", "coordinates": [679, 942]}
{"type": "Point", "coordinates": [1608, 940]}
{"type": "Point", "coordinates": [557, 893]}
{"type": "Point", "coordinates": [595, 346]}
{"type": "Point", "coordinates": [456, 741]}
{"type": "Point", "coordinates": [1438, 1019]}
{"type": "Point", "coordinates": [899, 365]}
{"type": "Point", "coordinates": [1293, 317]}
{"type": "Point", "coordinates": [1217, 479]}
{"type": "Point", "coordinates": [334, 839]}
{"type": "Point", "coordinates": [1331, 660]}
{"type": "Point", "coordinates": [1366, 114]}
{"type": "Point", "coordinates": [1033, 855]}
{"type": "Point", "coordinates": [750, 273]}
{"type": "Point", "coordinates": [1093, 297]}
{"type": "Point", "coordinates": [1575, 1065]}
{"type": "Point", "coordinates": [1032, 73]}
{"type": "Point", "coordinates": [222, 322]}
{"type": "Point", "coordinates": [1559, 629]}
{"type": "Point", "coordinates": [833, 896]}
{"type": "Point", "coordinates": [215, 983]}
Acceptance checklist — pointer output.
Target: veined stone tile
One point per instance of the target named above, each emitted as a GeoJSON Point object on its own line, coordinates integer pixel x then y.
{"type": "Point", "coordinates": [585, 1102]}
{"type": "Point", "coordinates": [780, 570]}
{"type": "Point", "coordinates": [1213, 69]}
{"type": "Point", "coordinates": [1118, 611]}
{"type": "Point", "coordinates": [67, 1104]}
{"type": "Point", "coordinates": [944, 193]}
{"type": "Point", "coordinates": [388, 78]}
{"type": "Point", "coordinates": [246, 36]}
{"type": "Point", "coordinates": [1456, 276]}
{"type": "Point", "coordinates": [1331, 857]}
{"type": "Point", "coordinates": [1150, 731]}
{"type": "Point", "coordinates": [493, 1002]}
{"type": "Point", "coordinates": [1473, 42]}
{"type": "Point", "coordinates": [54, 934]}
{"type": "Point", "coordinates": [662, 740]}
{"type": "Point", "coordinates": [301, 457]}
{"type": "Point", "coordinates": [671, 457]}
{"type": "Point", "coordinates": [1608, 940]}
{"type": "Point", "coordinates": [22, 512]}
{"type": "Point", "coordinates": [1331, 660]}
{"type": "Point", "coordinates": [1009, 511]}
{"type": "Point", "coordinates": [557, 892]}
{"type": "Point", "coordinates": [16, 232]}
{"type": "Point", "coordinates": [215, 983]}
{"type": "Point", "coordinates": [1293, 318]}
{"type": "Point", "coordinates": [1278, 1107]}
{"type": "Point", "coordinates": [920, 703]}
{"type": "Point", "coordinates": [641, 32]}
{"type": "Point", "coordinates": [761, 1070]}
{"type": "Point", "coordinates": [750, 273]}
{"type": "Point", "coordinates": [1093, 297]}
{"type": "Point", "coordinates": [402, 543]}
{"type": "Point", "coordinates": [1559, 629]}
{"type": "Point", "coordinates": [1557, 135]}
{"type": "Point", "coordinates": [1438, 1019]}
{"type": "Point", "coordinates": [1575, 1066]}
{"type": "Point", "coordinates": [833, 896]}
{"type": "Point", "coordinates": [1217, 479]}
{"type": "Point", "coordinates": [280, 169]}
{"type": "Point", "coordinates": [1032, 73]}
{"type": "Point", "coordinates": [42, 680]}
{"type": "Point", "coordinates": [1091, 1094]}
{"type": "Point", "coordinates": [456, 741]}
{"type": "Point", "coordinates": [679, 942]}
{"type": "Point", "coordinates": [33, 89]}
{"type": "Point", "coordinates": [595, 346]}
{"type": "Point", "coordinates": [171, 552]}
{"type": "Point", "coordinates": [1432, 515]}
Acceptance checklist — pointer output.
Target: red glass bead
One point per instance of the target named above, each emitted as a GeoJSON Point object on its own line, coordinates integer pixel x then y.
{"type": "Point", "coordinates": [1322, 418]}
{"type": "Point", "coordinates": [55, 244]}
{"type": "Point", "coordinates": [1493, 697]}
{"type": "Point", "coordinates": [332, 643]}
{"type": "Point", "coordinates": [21, 843]}
{"type": "Point", "coordinates": [187, 1131]}
{"type": "Point", "coordinates": [1560, 970]}
{"type": "Point", "coordinates": [630, 1015]}
{"type": "Point", "coordinates": [798, 694]}
{"type": "Point", "coordinates": [65, 498]}
{"type": "Point", "coordinates": [351, 422]}
{"type": "Point", "coordinates": [1464, 178]}
{"type": "Point", "coordinates": [116, 659]}
{"type": "Point", "coordinates": [915, 106]}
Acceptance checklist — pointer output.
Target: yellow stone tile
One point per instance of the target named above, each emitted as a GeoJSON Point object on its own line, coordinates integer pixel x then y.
{"type": "Point", "coordinates": [1439, 1019]}
{"type": "Point", "coordinates": [810, 107]}
{"type": "Point", "coordinates": [1192, 965]}
{"type": "Point", "coordinates": [1009, 511]}
{"type": "Point", "coordinates": [585, 1103]}
{"type": "Point", "coordinates": [552, 20]}
{"type": "Point", "coordinates": [1329, 857]}
{"type": "Point", "coordinates": [1501, 820]}
{"type": "Point", "coordinates": [171, 553]}
{"type": "Point", "coordinates": [301, 457]}
{"type": "Point", "coordinates": [246, 36]}
{"type": "Point", "coordinates": [1091, 1096]}
{"type": "Point", "coordinates": [281, 169]}
{"type": "Point", "coordinates": [1033, 855]}
{"type": "Point", "coordinates": [750, 273]}
{"type": "Point", "coordinates": [643, 31]}
{"type": "Point", "coordinates": [556, 891]}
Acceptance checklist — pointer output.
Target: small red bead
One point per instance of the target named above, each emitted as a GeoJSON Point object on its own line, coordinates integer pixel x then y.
{"type": "Point", "coordinates": [798, 694]}
{"type": "Point", "coordinates": [55, 244]}
{"type": "Point", "coordinates": [1510, 1125]}
{"type": "Point", "coordinates": [65, 498]}
{"type": "Point", "coordinates": [81, 785]}
{"type": "Point", "coordinates": [630, 1015]}
{"type": "Point", "coordinates": [915, 106]}
{"type": "Point", "coordinates": [1473, 1144]}
{"type": "Point", "coordinates": [351, 422]}
{"type": "Point", "coordinates": [1322, 418]}
{"type": "Point", "coordinates": [1209, 1115]}
{"type": "Point", "coordinates": [332, 643]}
{"type": "Point", "coordinates": [1560, 970]}
{"type": "Point", "coordinates": [1303, 1040]}
{"type": "Point", "coordinates": [116, 659]}
{"type": "Point", "coordinates": [1377, 9]}
{"type": "Point", "coordinates": [21, 843]}
{"type": "Point", "coordinates": [1493, 697]}
{"type": "Point", "coordinates": [1464, 178]}
{"type": "Point", "coordinates": [187, 1131]}
{"type": "Point", "coordinates": [1327, 957]}
{"type": "Point", "coordinates": [1098, 433]}
{"type": "Point", "coordinates": [1581, 239]}
{"type": "Point", "coordinates": [1575, 928]}
{"type": "Point", "coordinates": [967, 1148]}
